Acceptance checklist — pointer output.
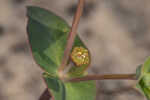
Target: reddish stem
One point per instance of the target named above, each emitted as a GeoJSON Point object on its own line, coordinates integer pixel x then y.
{"type": "Point", "coordinates": [72, 35]}
{"type": "Point", "coordinates": [45, 95]}
{"type": "Point", "coordinates": [104, 77]}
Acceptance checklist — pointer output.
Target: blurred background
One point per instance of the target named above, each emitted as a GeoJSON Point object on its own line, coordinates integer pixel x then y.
{"type": "Point", "coordinates": [116, 32]}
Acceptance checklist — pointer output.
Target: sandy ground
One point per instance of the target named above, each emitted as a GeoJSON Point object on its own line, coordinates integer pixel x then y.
{"type": "Point", "coordinates": [116, 31]}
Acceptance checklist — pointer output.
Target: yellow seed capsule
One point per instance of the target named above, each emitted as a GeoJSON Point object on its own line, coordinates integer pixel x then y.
{"type": "Point", "coordinates": [80, 56]}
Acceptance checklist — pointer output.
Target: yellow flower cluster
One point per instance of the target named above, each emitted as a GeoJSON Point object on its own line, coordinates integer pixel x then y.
{"type": "Point", "coordinates": [80, 56]}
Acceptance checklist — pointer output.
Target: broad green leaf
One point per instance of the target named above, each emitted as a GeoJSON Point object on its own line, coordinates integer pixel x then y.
{"type": "Point", "coordinates": [143, 75]}
{"type": "Point", "coordinates": [71, 91]}
{"type": "Point", "coordinates": [47, 35]}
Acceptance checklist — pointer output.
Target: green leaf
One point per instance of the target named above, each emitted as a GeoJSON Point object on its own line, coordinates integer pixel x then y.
{"type": "Point", "coordinates": [47, 35]}
{"type": "Point", "coordinates": [143, 75]}
{"type": "Point", "coordinates": [144, 86]}
{"type": "Point", "coordinates": [71, 91]}
{"type": "Point", "coordinates": [138, 71]}
{"type": "Point", "coordinates": [146, 66]}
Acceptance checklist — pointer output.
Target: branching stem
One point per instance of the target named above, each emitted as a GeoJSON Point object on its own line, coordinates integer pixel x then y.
{"type": "Point", "coordinates": [70, 41]}
{"type": "Point", "coordinates": [105, 77]}
{"type": "Point", "coordinates": [72, 35]}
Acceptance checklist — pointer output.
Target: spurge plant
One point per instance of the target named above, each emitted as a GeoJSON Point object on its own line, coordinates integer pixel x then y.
{"type": "Point", "coordinates": [64, 58]}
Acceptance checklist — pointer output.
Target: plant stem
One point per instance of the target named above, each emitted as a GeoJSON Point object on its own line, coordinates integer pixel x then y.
{"type": "Point", "coordinates": [72, 35]}
{"type": "Point", "coordinates": [104, 77]}
{"type": "Point", "coordinates": [45, 95]}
